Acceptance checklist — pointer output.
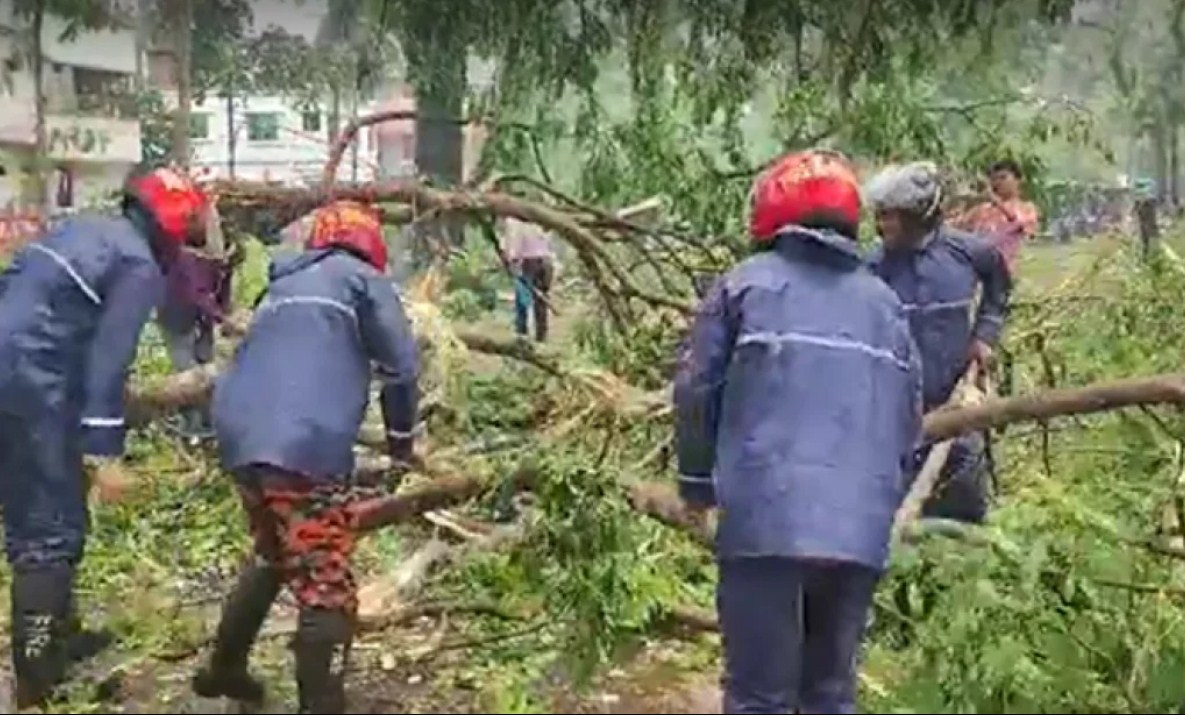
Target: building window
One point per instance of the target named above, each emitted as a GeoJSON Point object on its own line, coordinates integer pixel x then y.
{"type": "Point", "coordinates": [263, 126]}
{"type": "Point", "coordinates": [310, 121]}
{"type": "Point", "coordinates": [99, 91]}
{"type": "Point", "coordinates": [199, 125]}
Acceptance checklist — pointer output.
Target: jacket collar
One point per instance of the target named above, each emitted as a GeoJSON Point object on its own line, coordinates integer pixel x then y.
{"type": "Point", "coordinates": [801, 242]}
{"type": "Point", "coordinates": [289, 264]}
{"type": "Point", "coordinates": [927, 241]}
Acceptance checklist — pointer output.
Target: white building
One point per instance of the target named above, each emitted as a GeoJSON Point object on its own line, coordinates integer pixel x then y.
{"type": "Point", "coordinates": [94, 135]}
{"type": "Point", "coordinates": [270, 139]}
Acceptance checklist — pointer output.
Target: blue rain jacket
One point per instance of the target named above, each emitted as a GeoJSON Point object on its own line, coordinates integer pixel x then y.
{"type": "Point", "coordinates": [798, 404]}
{"type": "Point", "coordinates": [937, 283]}
{"type": "Point", "coordinates": [296, 392]}
{"type": "Point", "coordinates": [72, 306]}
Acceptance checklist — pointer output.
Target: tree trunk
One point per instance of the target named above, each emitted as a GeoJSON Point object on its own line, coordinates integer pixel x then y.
{"type": "Point", "coordinates": [1175, 164]}
{"type": "Point", "coordinates": [231, 138]}
{"type": "Point", "coordinates": [1160, 150]}
{"type": "Point", "coordinates": [355, 101]}
{"type": "Point", "coordinates": [437, 63]}
{"type": "Point", "coordinates": [334, 123]}
{"type": "Point", "coordinates": [182, 22]}
{"type": "Point", "coordinates": [40, 108]}
{"type": "Point", "coordinates": [143, 30]}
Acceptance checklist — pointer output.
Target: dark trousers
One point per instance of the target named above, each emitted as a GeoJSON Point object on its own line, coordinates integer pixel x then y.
{"type": "Point", "coordinates": [792, 630]}
{"type": "Point", "coordinates": [43, 495]}
{"type": "Point", "coordinates": [42, 489]}
{"type": "Point", "coordinates": [534, 283]}
{"type": "Point", "coordinates": [964, 489]}
{"type": "Point", "coordinates": [189, 345]}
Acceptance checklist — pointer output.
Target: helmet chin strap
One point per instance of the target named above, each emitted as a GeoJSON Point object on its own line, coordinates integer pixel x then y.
{"type": "Point", "coordinates": [935, 204]}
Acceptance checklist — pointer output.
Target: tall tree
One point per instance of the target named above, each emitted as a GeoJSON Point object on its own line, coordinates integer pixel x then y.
{"type": "Point", "coordinates": [181, 23]}
{"type": "Point", "coordinates": [79, 15]}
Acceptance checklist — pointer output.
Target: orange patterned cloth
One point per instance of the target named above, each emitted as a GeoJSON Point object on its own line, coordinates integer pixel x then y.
{"type": "Point", "coordinates": [342, 218]}
{"type": "Point", "coordinates": [1007, 223]}
{"type": "Point", "coordinates": [308, 533]}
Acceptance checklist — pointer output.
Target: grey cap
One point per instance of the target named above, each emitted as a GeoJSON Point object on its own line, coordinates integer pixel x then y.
{"type": "Point", "coordinates": [915, 188]}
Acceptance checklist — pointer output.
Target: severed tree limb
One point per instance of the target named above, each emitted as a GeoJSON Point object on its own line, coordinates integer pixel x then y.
{"type": "Point", "coordinates": [192, 386]}
{"type": "Point", "coordinates": [595, 255]}
{"type": "Point", "coordinates": [438, 493]}
{"type": "Point", "coordinates": [924, 482]}
{"type": "Point", "coordinates": [1168, 388]}
{"type": "Point", "coordinates": [147, 401]}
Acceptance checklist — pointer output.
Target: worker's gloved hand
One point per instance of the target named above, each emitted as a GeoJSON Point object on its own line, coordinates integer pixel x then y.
{"type": "Point", "coordinates": [107, 477]}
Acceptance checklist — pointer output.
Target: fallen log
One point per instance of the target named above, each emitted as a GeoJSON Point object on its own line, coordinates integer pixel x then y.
{"type": "Point", "coordinates": [193, 387]}
{"type": "Point", "coordinates": [438, 493]}
{"type": "Point", "coordinates": [1165, 389]}
{"type": "Point", "coordinates": [927, 478]}
{"type": "Point", "coordinates": [149, 401]}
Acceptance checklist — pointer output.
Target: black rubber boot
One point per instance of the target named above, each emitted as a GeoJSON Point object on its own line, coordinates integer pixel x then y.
{"type": "Point", "coordinates": [322, 653]}
{"type": "Point", "coordinates": [40, 622]}
{"type": "Point", "coordinates": [243, 614]}
{"type": "Point", "coordinates": [83, 643]}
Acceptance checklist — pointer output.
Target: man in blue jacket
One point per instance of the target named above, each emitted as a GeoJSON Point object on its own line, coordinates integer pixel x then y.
{"type": "Point", "coordinates": [797, 410]}
{"type": "Point", "coordinates": [936, 271]}
{"type": "Point", "coordinates": [287, 413]}
{"type": "Point", "coordinates": [72, 306]}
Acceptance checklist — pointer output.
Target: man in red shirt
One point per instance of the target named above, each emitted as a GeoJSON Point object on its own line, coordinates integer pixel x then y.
{"type": "Point", "coordinates": [1005, 218]}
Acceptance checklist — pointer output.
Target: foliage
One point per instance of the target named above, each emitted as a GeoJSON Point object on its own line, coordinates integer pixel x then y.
{"type": "Point", "coordinates": [78, 15]}
{"type": "Point", "coordinates": [217, 56]}
{"type": "Point", "coordinates": [475, 277]}
{"type": "Point", "coordinates": [156, 128]}
{"type": "Point", "coordinates": [1058, 607]}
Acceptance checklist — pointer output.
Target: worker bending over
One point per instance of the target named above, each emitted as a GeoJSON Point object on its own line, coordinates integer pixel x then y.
{"type": "Point", "coordinates": [798, 406]}
{"type": "Point", "coordinates": [936, 271]}
{"type": "Point", "coordinates": [286, 414]}
{"type": "Point", "coordinates": [72, 306]}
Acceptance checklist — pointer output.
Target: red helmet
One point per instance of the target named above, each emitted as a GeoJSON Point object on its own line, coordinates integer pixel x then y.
{"type": "Point", "coordinates": [352, 226]}
{"type": "Point", "coordinates": [175, 203]}
{"type": "Point", "coordinates": [801, 187]}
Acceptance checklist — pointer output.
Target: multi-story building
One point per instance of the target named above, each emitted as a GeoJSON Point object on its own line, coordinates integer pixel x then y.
{"type": "Point", "coordinates": [93, 132]}
{"type": "Point", "coordinates": [261, 138]}
{"type": "Point", "coordinates": [271, 138]}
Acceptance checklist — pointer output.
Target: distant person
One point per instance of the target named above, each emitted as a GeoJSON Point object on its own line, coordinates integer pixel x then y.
{"type": "Point", "coordinates": [528, 250]}
{"type": "Point", "coordinates": [1005, 218]}
{"type": "Point", "coordinates": [1147, 221]}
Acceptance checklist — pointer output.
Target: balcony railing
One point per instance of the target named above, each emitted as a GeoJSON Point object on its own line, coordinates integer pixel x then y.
{"type": "Point", "coordinates": [115, 106]}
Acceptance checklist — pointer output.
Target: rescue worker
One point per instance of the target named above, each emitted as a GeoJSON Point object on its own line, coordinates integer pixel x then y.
{"type": "Point", "coordinates": [797, 408]}
{"type": "Point", "coordinates": [286, 414]}
{"type": "Point", "coordinates": [935, 271]}
{"type": "Point", "coordinates": [72, 306]}
{"type": "Point", "coordinates": [197, 298]}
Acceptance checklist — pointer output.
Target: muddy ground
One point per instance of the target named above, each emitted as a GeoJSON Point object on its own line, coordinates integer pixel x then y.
{"type": "Point", "coordinates": [420, 668]}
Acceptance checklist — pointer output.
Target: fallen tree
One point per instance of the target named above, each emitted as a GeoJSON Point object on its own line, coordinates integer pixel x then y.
{"type": "Point", "coordinates": [192, 387]}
